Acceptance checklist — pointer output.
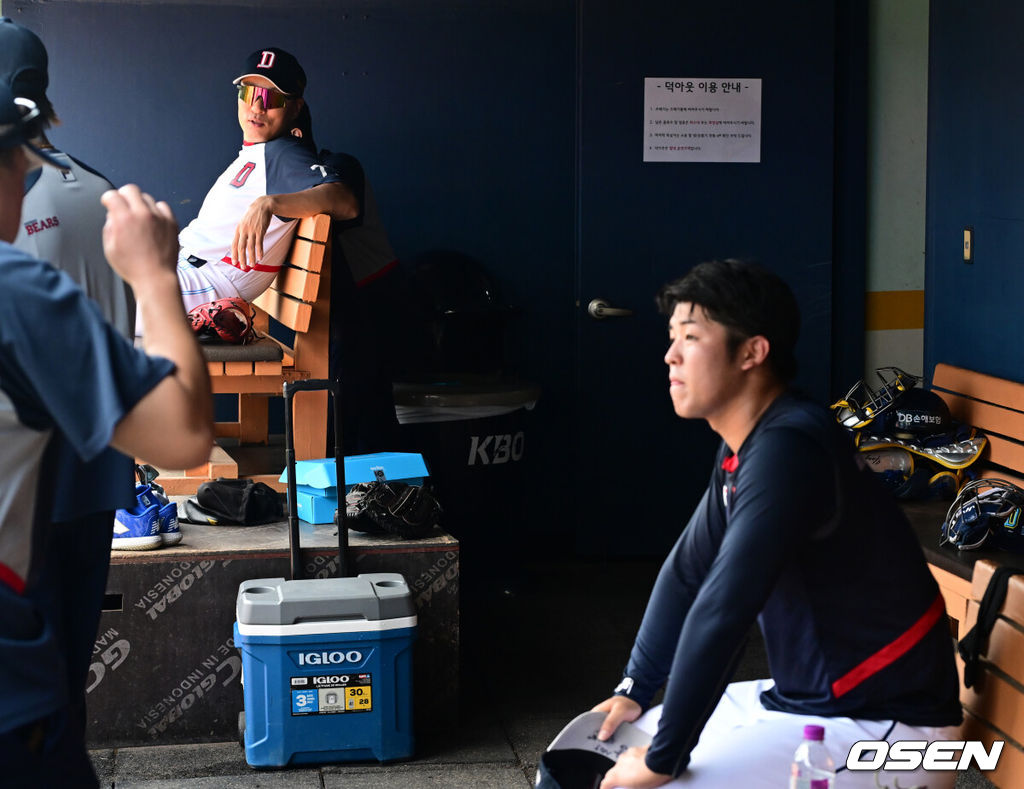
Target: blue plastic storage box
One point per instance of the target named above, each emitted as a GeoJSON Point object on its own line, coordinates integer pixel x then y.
{"type": "Point", "coordinates": [316, 481]}
{"type": "Point", "coordinates": [326, 669]}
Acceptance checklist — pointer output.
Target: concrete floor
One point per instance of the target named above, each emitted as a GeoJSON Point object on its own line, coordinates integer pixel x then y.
{"type": "Point", "coordinates": [533, 660]}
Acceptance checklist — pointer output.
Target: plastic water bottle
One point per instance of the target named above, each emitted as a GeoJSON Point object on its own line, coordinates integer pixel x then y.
{"type": "Point", "coordinates": [812, 766]}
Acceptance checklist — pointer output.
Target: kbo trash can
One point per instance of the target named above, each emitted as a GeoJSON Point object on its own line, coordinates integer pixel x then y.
{"type": "Point", "coordinates": [475, 438]}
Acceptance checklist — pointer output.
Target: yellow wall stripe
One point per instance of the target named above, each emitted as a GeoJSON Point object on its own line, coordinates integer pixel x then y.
{"type": "Point", "coordinates": [894, 309]}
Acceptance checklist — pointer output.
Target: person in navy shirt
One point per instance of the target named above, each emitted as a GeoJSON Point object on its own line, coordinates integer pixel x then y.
{"type": "Point", "coordinates": [62, 220]}
{"type": "Point", "coordinates": [791, 533]}
{"type": "Point", "coordinates": [67, 376]}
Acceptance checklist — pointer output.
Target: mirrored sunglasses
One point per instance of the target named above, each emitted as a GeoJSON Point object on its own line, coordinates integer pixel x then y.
{"type": "Point", "coordinates": [272, 99]}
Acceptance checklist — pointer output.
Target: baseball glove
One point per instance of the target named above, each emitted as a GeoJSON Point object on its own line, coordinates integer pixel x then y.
{"type": "Point", "coordinates": [408, 511]}
{"type": "Point", "coordinates": [224, 320]}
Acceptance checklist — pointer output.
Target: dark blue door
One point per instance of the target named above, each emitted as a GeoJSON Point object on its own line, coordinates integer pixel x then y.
{"type": "Point", "coordinates": [641, 224]}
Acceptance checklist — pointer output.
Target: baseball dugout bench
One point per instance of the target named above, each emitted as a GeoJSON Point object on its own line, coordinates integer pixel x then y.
{"type": "Point", "coordinates": [300, 300]}
{"type": "Point", "coordinates": [994, 704]}
{"type": "Point", "coordinates": [994, 707]}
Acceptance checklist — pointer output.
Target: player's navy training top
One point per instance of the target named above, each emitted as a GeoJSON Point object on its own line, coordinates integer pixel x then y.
{"type": "Point", "coordinates": [362, 240]}
{"type": "Point", "coordinates": [793, 532]}
{"type": "Point", "coordinates": [63, 370]}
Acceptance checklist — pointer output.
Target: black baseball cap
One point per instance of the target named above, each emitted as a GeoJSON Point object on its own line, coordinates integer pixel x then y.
{"type": "Point", "coordinates": [280, 67]}
{"type": "Point", "coordinates": [19, 124]}
{"type": "Point", "coordinates": [23, 61]}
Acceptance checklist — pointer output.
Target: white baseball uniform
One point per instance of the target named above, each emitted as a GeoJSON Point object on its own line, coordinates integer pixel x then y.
{"type": "Point", "coordinates": [205, 271]}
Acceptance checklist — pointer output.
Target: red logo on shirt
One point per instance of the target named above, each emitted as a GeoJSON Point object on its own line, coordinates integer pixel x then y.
{"type": "Point", "coordinates": [38, 225]}
{"type": "Point", "coordinates": [242, 176]}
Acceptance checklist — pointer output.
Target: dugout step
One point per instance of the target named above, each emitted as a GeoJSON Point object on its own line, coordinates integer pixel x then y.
{"type": "Point", "coordinates": [165, 669]}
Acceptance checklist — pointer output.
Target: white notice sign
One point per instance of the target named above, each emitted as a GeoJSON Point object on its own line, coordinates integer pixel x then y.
{"type": "Point", "coordinates": [700, 119]}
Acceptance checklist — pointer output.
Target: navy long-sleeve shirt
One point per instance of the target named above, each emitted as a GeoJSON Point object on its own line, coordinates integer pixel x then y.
{"type": "Point", "coordinates": [791, 531]}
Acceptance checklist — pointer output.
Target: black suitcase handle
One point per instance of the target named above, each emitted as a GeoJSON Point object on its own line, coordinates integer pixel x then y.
{"type": "Point", "coordinates": [313, 385]}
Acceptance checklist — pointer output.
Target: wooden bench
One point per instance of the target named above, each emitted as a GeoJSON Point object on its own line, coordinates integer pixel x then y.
{"type": "Point", "coordinates": [996, 407]}
{"type": "Point", "coordinates": [299, 300]}
{"type": "Point", "coordinates": [995, 708]}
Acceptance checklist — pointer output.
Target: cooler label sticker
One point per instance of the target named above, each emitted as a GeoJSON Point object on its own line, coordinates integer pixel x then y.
{"type": "Point", "coordinates": [332, 694]}
{"type": "Point", "coordinates": [304, 702]}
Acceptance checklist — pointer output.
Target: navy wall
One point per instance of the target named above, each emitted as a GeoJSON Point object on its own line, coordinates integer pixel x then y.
{"type": "Point", "coordinates": [975, 177]}
{"type": "Point", "coordinates": [849, 242]}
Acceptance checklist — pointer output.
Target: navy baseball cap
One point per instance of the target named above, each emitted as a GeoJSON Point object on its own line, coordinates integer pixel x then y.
{"type": "Point", "coordinates": [23, 61]}
{"type": "Point", "coordinates": [576, 759]}
{"type": "Point", "coordinates": [280, 67]}
{"type": "Point", "coordinates": [19, 123]}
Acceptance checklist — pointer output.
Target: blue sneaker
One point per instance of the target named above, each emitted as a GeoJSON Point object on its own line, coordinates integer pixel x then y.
{"type": "Point", "coordinates": [138, 528]}
{"type": "Point", "coordinates": [150, 493]}
{"type": "Point", "coordinates": [170, 533]}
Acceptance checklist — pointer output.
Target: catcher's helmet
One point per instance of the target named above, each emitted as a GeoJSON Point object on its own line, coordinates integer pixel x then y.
{"type": "Point", "coordinates": [863, 404]}
{"type": "Point", "coordinates": [915, 412]}
{"type": "Point", "coordinates": [986, 511]}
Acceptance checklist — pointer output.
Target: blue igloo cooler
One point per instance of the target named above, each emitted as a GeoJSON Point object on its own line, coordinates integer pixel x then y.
{"type": "Point", "coordinates": [326, 669]}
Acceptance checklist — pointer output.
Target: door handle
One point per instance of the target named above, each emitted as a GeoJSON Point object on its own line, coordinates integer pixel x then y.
{"type": "Point", "coordinates": [599, 309]}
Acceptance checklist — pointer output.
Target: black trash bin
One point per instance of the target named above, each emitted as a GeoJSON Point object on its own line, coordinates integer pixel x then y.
{"type": "Point", "coordinates": [474, 436]}
{"type": "Point", "coordinates": [462, 316]}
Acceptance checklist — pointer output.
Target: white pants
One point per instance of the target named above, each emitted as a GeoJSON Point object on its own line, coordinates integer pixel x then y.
{"type": "Point", "coordinates": [219, 280]}
{"type": "Point", "coordinates": [743, 744]}
{"type": "Point", "coordinates": [215, 280]}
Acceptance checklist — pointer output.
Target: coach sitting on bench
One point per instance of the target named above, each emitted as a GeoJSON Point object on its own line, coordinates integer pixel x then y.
{"type": "Point", "coordinates": [791, 531]}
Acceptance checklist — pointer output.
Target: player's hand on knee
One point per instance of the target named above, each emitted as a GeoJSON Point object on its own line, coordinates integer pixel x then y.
{"type": "Point", "coordinates": [618, 709]}
{"type": "Point", "coordinates": [247, 245]}
{"type": "Point", "coordinates": [140, 235]}
{"type": "Point", "coordinates": [632, 772]}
